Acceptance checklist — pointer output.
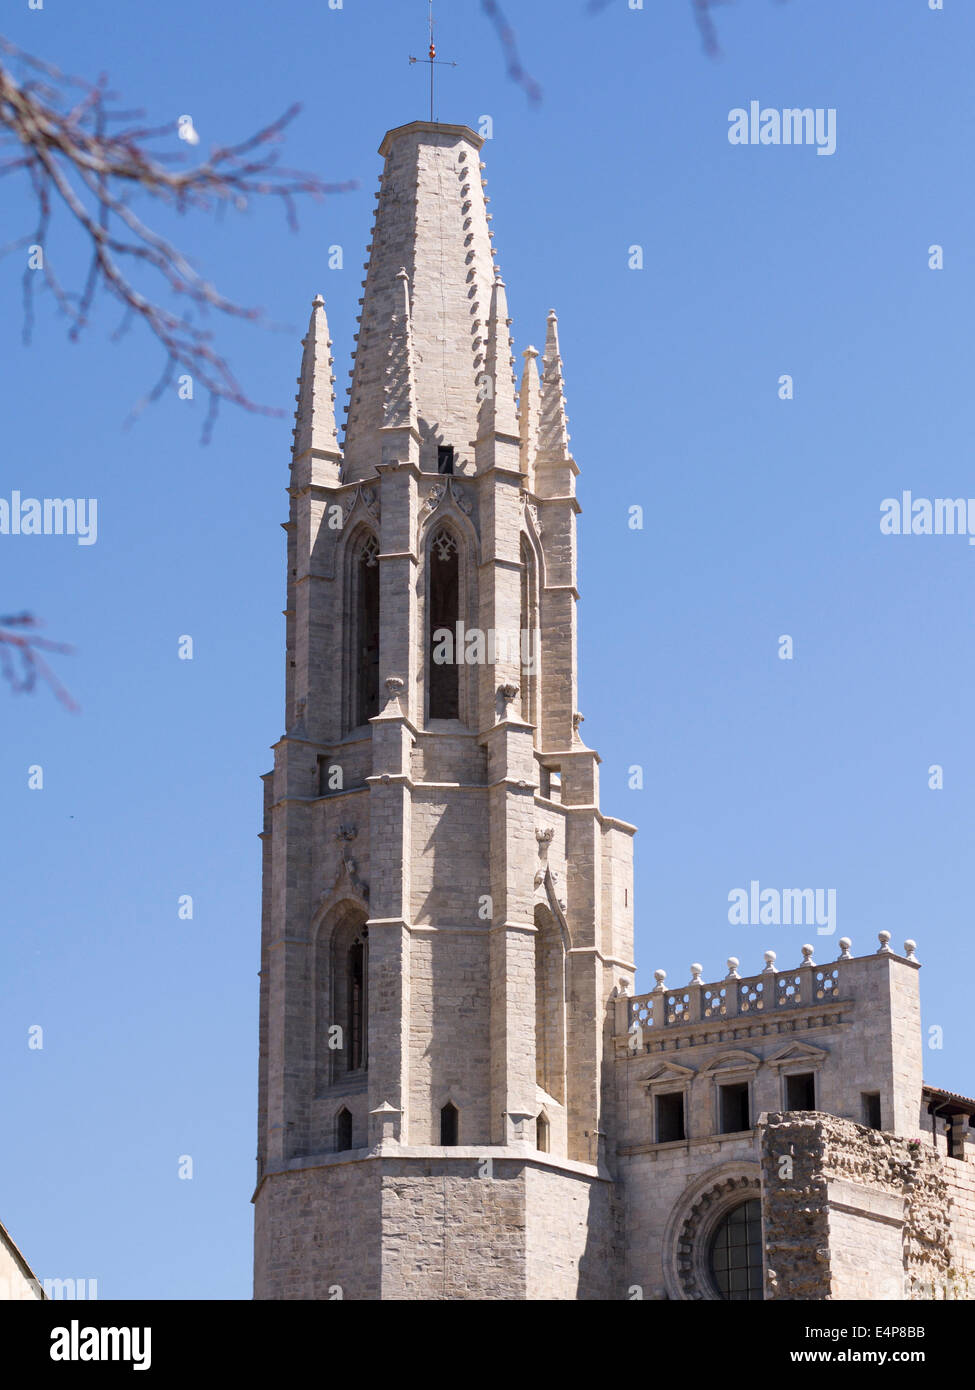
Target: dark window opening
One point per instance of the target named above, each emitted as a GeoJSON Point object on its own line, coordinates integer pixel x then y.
{"type": "Point", "coordinates": [445, 660]}
{"type": "Point", "coordinates": [343, 1130]}
{"type": "Point", "coordinates": [736, 1254]}
{"type": "Point", "coordinates": [800, 1091]}
{"type": "Point", "coordinates": [871, 1109]}
{"type": "Point", "coordinates": [955, 1132]}
{"type": "Point", "coordinates": [445, 458]}
{"type": "Point", "coordinates": [549, 1005]}
{"type": "Point", "coordinates": [734, 1108]}
{"type": "Point", "coordinates": [550, 783]}
{"type": "Point", "coordinates": [528, 645]}
{"type": "Point", "coordinates": [367, 634]}
{"type": "Point", "coordinates": [449, 1117]}
{"type": "Point", "coordinates": [542, 1134]}
{"type": "Point", "coordinates": [670, 1117]}
{"type": "Point", "coordinates": [342, 1004]}
{"type": "Point", "coordinates": [356, 1041]}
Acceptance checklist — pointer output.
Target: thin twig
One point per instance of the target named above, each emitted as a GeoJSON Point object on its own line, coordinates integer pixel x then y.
{"type": "Point", "coordinates": [21, 662]}
{"type": "Point", "coordinates": [87, 159]}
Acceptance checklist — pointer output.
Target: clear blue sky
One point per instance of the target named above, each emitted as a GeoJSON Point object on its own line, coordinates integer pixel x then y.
{"type": "Point", "coordinates": [762, 518]}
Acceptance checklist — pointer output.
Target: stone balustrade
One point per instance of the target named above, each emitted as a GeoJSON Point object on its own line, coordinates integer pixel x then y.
{"type": "Point", "coordinates": [735, 996]}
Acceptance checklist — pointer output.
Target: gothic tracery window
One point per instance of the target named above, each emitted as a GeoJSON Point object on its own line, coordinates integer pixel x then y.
{"type": "Point", "coordinates": [342, 1009]}
{"type": "Point", "coordinates": [356, 1006]}
{"type": "Point", "coordinates": [549, 1005]}
{"type": "Point", "coordinates": [443, 615]}
{"type": "Point", "coordinates": [528, 635]}
{"type": "Point", "coordinates": [366, 691]}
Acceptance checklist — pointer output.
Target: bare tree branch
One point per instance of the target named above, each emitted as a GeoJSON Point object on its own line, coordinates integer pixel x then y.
{"type": "Point", "coordinates": [702, 10]}
{"type": "Point", "coordinates": [84, 157]}
{"type": "Point", "coordinates": [509, 45]}
{"type": "Point", "coordinates": [59, 129]}
{"type": "Point", "coordinates": [21, 662]}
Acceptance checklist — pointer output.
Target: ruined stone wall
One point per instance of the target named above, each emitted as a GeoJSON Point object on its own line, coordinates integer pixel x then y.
{"type": "Point", "coordinates": [851, 1212]}
{"type": "Point", "coordinates": [960, 1177]}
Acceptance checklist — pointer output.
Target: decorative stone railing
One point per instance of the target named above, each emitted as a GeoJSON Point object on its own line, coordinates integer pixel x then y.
{"type": "Point", "coordinates": [802, 986]}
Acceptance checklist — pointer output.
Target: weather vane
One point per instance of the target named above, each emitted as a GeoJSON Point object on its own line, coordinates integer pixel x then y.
{"type": "Point", "coordinates": [433, 60]}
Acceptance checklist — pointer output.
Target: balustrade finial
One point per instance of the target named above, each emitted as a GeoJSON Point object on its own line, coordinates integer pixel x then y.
{"type": "Point", "coordinates": [909, 948]}
{"type": "Point", "coordinates": [659, 976]}
{"type": "Point", "coordinates": [769, 963]}
{"type": "Point", "coordinates": [696, 971]}
{"type": "Point", "coordinates": [807, 955]}
{"type": "Point", "coordinates": [733, 963]}
{"type": "Point", "coordinates": [884, 938]}
{"type": "Point", "coordinates": [845, 944]}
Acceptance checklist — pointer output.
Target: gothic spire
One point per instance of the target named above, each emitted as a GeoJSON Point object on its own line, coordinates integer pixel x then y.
{"type": "Point", "coordinates": [431, 218]}
{"type": "Point", "coordinates": [529, 404]}
{"type": "Point", "coordinates": [499, 411]}
{"type": "Point", "coordinates": [315, 416]}
{"type": "Point", "coordinates": [553, 437]}
{"type": "Point", "coordinates": [399, 386]}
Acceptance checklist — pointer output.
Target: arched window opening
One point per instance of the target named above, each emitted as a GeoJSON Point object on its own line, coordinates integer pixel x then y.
{"type": "Point", "coordinates": [528, 635]}
{"type": "Point", "coordinates": [356, 1006]}
{"type": "Point", "coordinates": [342, 997]}
{"type": "Point", "coordinates": [549, 1005]}
{"type": "Point", "coordinates": [736, 1254]}
{"type": "Point", "coordinates": [449, 1124]}
{"type": "Point", "coordinates": [444, 609]}
{"type": "Point", "coordinates": [366, 694]}
{"type": "Point", "coordinates": [542, 1133]}
{"type": "Point", "coordinates": [343, 1130]}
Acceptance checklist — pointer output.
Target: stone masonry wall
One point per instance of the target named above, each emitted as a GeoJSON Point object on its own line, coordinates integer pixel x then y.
{"type": "Point", "coordinates": [449, 1234]}
{"type": "Point", "coordinates": [454, 1225]}
{"type": "Point", "coordinates": [960, 1281]}
{"type": "Point", "coordinates": [575, 1237]}
{"type": "Point", "coordinates": [316, 1230]}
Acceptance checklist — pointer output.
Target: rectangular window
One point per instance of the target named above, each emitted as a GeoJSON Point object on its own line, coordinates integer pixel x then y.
{"type": "Point", "coordinates": [445, 458]}
{"type": "Point", "coordinates": [670, 1117]}
{"type": "Point", "coordinates": [955, 1137]}
{"type": "Point", "coordinates": [871, 1109]}
{"type": "Point", "coordinates": [800, 1091]}
{"type": "Point", "coordinates": [550, 783]}
{"type": "Point", "coordinates": [734, 1107]}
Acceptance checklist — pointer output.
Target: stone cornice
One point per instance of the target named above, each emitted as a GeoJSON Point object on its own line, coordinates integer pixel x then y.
{"type": "Point", "coordinates": [433, 1154]}
{"type": "Point", "coordinates": [463, 132]}
{"type": "Point", "coordinates": [779, 1023]}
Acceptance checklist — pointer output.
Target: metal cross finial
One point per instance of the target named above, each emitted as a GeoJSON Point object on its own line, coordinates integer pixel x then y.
{"type": "Point", "coordinates": [433, 60]}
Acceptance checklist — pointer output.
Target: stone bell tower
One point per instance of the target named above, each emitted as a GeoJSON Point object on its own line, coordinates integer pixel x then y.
{"type": "Point", "coordinates": [447, 912]}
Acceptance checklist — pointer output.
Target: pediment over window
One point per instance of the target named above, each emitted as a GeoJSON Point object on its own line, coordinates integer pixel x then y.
{"type": "Point", "coordinates": [797, 1052]}
{"type": "Point", "coordinates": [668, 1072]}
{"type": "Point", "coordinates": [737, 1060]}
